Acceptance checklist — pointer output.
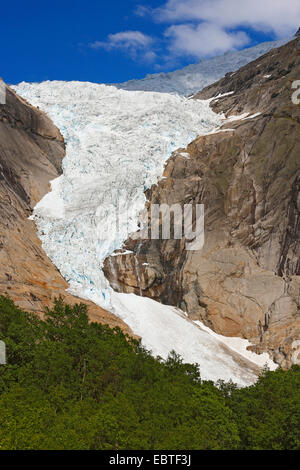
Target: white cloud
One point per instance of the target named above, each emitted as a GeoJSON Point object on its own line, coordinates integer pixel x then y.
{"type": "Point", "coordinates": [132, 42]}
{"type": "Point", "coordinates": [150, 56]}
{"type": "Point", "coordinates": [201, 28]}
{"type": "Point", "coordinates": [142, 10]}
{"type": "Point", "coordinates": [124, 40]}
{"type": "Point", "coordinates": [203, 40]}
{"type": "Point", "coordinates": [281, 17]}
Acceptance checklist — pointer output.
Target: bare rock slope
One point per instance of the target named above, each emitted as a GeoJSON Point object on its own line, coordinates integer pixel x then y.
{"type": "Point", "coordinates": [31, 153]}
{"type": "Point", "coordinates": [246, 280]}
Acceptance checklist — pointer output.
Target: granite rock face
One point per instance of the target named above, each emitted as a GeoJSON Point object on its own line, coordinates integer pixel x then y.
{"type": "Point", "coordinates": [31, 153]}
{"type": "Point", "coordinates": [246, 280]}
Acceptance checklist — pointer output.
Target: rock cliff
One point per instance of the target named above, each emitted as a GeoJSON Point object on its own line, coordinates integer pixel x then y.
{"type": "Point", "coordinates": [31, 153]}
{"type": "Point", "coordinates": [246, 280]}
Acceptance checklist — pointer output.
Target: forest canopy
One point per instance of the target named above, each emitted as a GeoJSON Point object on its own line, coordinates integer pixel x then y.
{"type": "Point", "coordinates": [69, 383]}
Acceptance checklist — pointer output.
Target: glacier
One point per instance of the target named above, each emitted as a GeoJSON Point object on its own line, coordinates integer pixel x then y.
{"type": "Point", "coordinates": [117, 142]}
{"type": "Point", "coordinates": [116, 145]}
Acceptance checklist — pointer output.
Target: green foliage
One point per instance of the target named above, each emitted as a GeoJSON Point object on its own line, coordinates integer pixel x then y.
{"type": "Point", "coordinates": [71, 384]}
{"type": "Point", "coordinates": [268, 413]}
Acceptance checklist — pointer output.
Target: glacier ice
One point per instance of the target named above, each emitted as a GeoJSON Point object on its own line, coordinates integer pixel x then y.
{"type": "Point", "coordinates": [117, 142]}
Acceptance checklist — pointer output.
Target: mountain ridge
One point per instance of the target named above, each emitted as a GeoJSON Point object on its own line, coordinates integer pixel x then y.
{"type": "Point", "coordinates": [194, 77]}
{"type": "Point", "coordinates": [246, 281]}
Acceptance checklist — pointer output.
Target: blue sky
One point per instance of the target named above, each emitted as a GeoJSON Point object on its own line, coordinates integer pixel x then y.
{"type": "Point", "coordinates": [116, 40]}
